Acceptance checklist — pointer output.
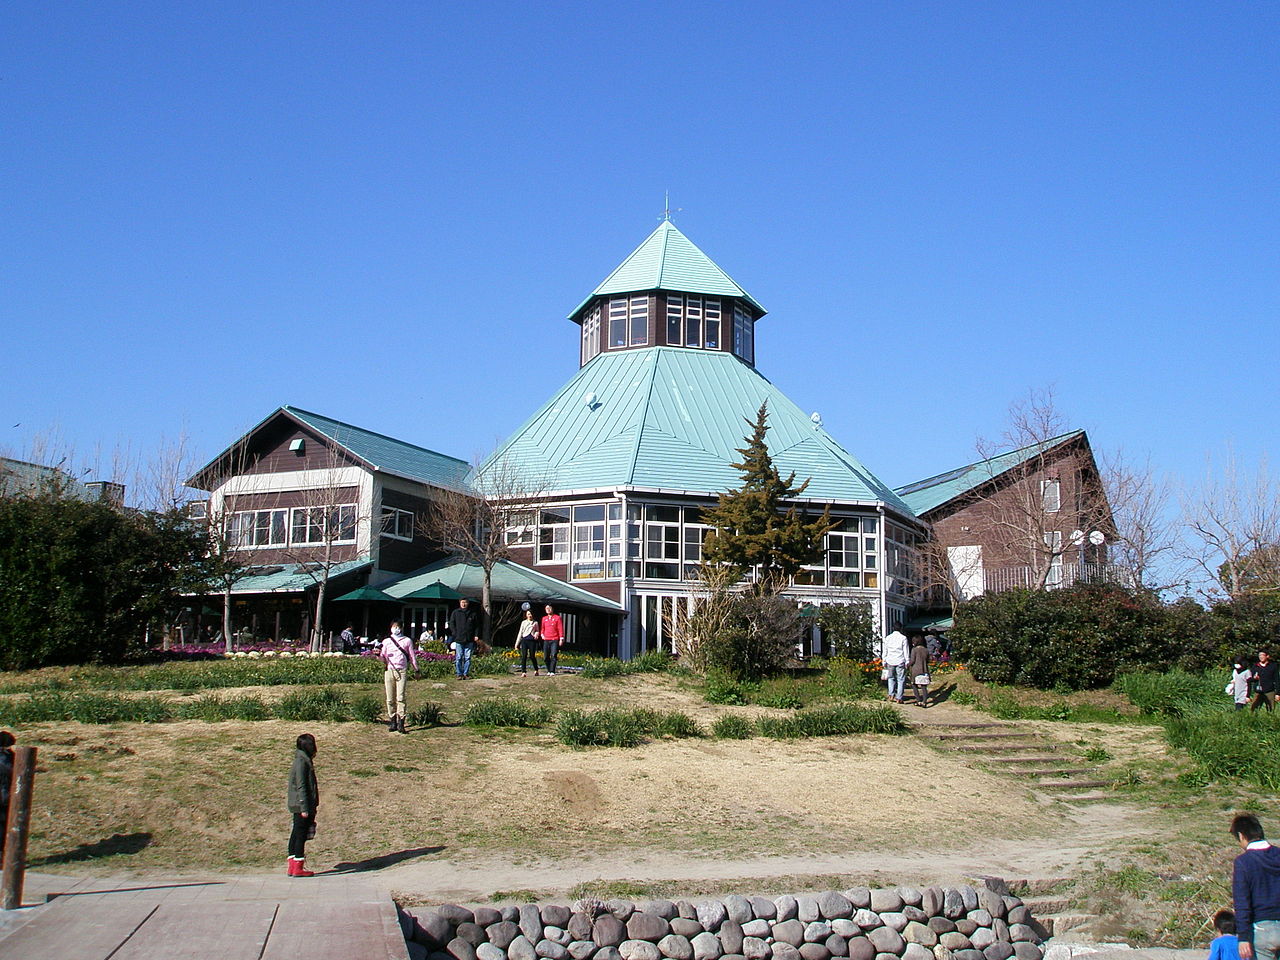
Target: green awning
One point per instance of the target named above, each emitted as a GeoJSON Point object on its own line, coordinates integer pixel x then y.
{"type": "Point", "coordinates": [934, 621]}
{"type": "Point", "coordinates": [434, 591]}
{"type": "Point", "coordinates": [366, 593]}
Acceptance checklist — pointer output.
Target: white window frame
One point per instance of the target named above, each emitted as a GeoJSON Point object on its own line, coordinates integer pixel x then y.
{"type": "Point", "coordinates": [628, 312]}
{"type": "Point", "coordinates": [1051, 493]}
{"type": "Point", "coordinates": [318, 533]}
{"type": "Point", "coordinates": [244, 527]}
{"type": "Point", "coordinates": [1053, 544]}
{"type": "Point", "coordinates": [400, 521]}
{"type": "Point", "coordinates": [591, 334]}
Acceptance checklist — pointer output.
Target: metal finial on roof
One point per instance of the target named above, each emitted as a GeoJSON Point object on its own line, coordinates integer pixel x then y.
{"type": "Point", "coordinates": [666, 208]}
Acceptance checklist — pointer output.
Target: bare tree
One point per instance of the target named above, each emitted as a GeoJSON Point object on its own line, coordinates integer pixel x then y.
{"type": "Point", "coordinates": [1233, 523]}
{"type": "Point", "coordinates": [1026, 503]}
{"type": "Point", "coordinates": [476, 525]}
{"type": "Point", "coordinates": [1146, 528]}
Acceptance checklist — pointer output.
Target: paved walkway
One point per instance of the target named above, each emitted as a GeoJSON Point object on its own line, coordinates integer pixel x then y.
{"type": "Point", "coordinates": [336, 917]}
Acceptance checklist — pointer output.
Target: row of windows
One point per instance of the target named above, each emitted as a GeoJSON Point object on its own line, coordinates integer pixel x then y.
{"type": "Point", "coordinates": [658, 542]}
{"type": "Point", "coordinates": [692, 321]}
{"type": "Point", "coordinates": [297, 526]}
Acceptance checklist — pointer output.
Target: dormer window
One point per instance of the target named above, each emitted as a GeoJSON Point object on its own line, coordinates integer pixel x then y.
{"type": "Point", "coordinates": [590, 334]}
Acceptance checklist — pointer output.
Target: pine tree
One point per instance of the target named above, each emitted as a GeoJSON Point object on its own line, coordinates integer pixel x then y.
{"type": "Point", "coordinates": [754, 528]}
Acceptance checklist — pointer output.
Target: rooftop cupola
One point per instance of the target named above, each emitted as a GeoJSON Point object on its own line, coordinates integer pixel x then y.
{"type": "Point", "coordinates": [668, 293]}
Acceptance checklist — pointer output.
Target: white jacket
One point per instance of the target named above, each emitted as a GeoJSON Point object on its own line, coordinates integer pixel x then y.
{"type": "Point", "coordinates": [893, 649]}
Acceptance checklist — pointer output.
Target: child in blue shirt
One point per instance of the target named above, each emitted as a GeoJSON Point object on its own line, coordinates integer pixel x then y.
{"type": "Point", "coordinates": [1225, 946]}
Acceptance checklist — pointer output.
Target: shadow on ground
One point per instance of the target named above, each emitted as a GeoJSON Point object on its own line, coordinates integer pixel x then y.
{"type": "Point", "coordinates": [383, 861]}
{"type": "Point", "coordinates": [117, 843]}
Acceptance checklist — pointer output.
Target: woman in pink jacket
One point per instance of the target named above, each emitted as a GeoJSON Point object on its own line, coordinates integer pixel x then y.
{"type": "Point", "coordinates": [552, 630]}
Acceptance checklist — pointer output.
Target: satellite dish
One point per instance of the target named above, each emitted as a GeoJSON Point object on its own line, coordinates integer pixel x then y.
{"type": "Point", "coordinates": [1096, 538]}
{"type": "Point", "coordinates": [1077, 537]}
{"type": "Point", "coordinates": [590, 399]}
{"type": "Point", "coordinates": [816, 417]}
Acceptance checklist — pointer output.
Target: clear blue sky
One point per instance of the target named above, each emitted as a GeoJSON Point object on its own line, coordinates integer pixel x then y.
{"type": "Point", "coordinates": [383, 212]}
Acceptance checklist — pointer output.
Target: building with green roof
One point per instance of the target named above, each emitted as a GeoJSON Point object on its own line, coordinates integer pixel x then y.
{"type": "Point", "coordinates": [627, 454]}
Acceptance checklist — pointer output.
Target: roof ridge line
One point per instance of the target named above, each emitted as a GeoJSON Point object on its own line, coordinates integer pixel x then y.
{"type": "Point", "coordinates": [648, 399]}
{"type": "Point", "coordinates": [1043, 445]}
{"type": "Point", "coordinates": [289, 408]}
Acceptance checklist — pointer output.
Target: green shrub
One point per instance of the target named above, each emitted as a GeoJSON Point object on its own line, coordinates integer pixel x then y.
{"type": "Point", "coordinates": [721, 688]}
{"type": "Point", "coordinates": [427, 714]}
{"type": "Point", "coordinates": [1173, 693]}
{"type": "Point", "coordinates": [366, 708]}
{"type": "Point", "coordinates": [212, 709]}
{"type": "Point", "coordinates": [1075, 638]}
{"type": "Point", "coordinates": [850, 628]}
{"type": "Point", "coordinates": [779, 699]}
{"type": "Point", "coordinates": [505, 712]}
{"type": "Point", "coordinates": [1097, 755]}
{"type": "Point", "coordinates": [54, 706]}
{"type": "Point", "coordinates": [653, 661]}
{"type": "Point", "coordinates": [325, 704]}
{"type": "Point", "coordinates": [963, 697]}
{"type": "Point", "coordinates": [1230, 744]}
{"type": "Point", "coordinates": [732, 727]}
{"type": "Point", "coordinates": [678, 726]}
{"type": "Point", "coordinates": [839, 720]}
{"type": "Point", "coordinates": [845, 678]}
{"type": "Point", "coordinates": [615, 728]}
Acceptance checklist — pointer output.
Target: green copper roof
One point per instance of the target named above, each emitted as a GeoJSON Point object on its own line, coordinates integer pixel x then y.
{"type": "Point", "coordinates": [388, 454]}
{"type": "Point", "coordinates": [510, 581]}
{"type": "Point", "coordinates": [925, 495]}
{"type": "Point", "coordinates": [668, 260]}
{"type": "Point", "coordinates": [291, 578]}
{"type": "Point", "coordinates": [672, 418]}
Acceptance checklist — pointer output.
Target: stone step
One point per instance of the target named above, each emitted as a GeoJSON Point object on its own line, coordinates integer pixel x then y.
{"type": "Point", "coordinates": [1000, 747]}
{"type": "Point", "coordinates": [1011, 760]}
{"type": "Point", "coordinates": [1064, 923]}
{"type": "Point", "coordinates": [1047, 771]}
{"type": "Point", "coordinates": [1090, 795]}
{"type": "Point", "coordinates": [980, 736]}
{"type": "Point", "coordinates": [1042, 907]}
{"type": "Point", "coordinates": [968, 726]}
{"type": "Point", "coordinates": [1072, 784]}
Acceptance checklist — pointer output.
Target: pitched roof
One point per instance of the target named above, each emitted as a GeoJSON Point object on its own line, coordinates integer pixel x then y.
{"type": "Point", "coordinates": [291, 577]}
{"type": "Point", "coordinates": [668, 260]}
{"type": "Point", "coordinates": [925, 495]}
{"type": "Point", "coordinates": [510, 581]}
{"type": "Point", "coordinates": [672, 418]}
{"type": "Point", "coordinates": [388, 454]}
{"type": "Point", "coordinates": [19, 477]}
{"type": "Point", "coordinates": [380, 452]}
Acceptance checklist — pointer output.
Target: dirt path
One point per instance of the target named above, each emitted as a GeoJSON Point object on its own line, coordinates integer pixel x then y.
{"type": "Point", "coordinates": [1089, 832]}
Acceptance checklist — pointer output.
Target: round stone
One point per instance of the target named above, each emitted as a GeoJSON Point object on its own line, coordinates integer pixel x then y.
{"type": "Point", "coordinates": [991, 902]}
{"type": "Point", "coordinates": [860, 948]}
{"type": "Point", "coordinates": [639, 950]}
{"type": "Point", "coordinates": [834, 906]}
{"type": "Point", "coordinates": [712, 913]}
{"type": "Point", "coordinates": [998, 951]}
{"type": "Point", "coordinates": [580, 926]}
{"type": "Point", "coordinates": [686, 909]}
{"type": "Point", "coordinates": [487, 951]}
{"type": "Point", "coordinates": [622, 909]}
{"type": "Point", "coordinates": [473, 933]}
{"type": "Point", "coordinates": [931, 901]}
{"type": "Point", "coordinates": [686, 928]}
{"type": "Point", "coordinates": [981, 917]}
{"type": "Point", "coordinates": [786, 907]}
{"type": "Point", "coordinates": [887, 940]}
{"type": "Point", "coordinates": [429, 928]}
{"type": "Point", "coordinates": [845, 928]}
{"type": "Point", "coordinates": [608, 930]}
{"type": "Point", "coordinates": [952, 904]}
{"type": "Point", "coordinates": [807, 909]}
{"type": "Point", "coordinates": [916, 932]}
{"type": "Point", "coordinates": [1027, 951]}
{"type": "Point", "coordinates": [459, 949]}
{"type": "Point", "coordinates": [1021, 933]}
{"type": "Point", "coordinates": [814, 951]}
{"type": "Point", "coordinates": [753, 948]}
{"type": "Point", "coordinates": [707, 946]}
{"type": "Point", "coordinates": [860, 897]}
{"type": "Point", "coordinates": [676, 947]}
{"type": "Point", "coordinates": [764, 908]}
{"type": "Point", "coordinates": [607, 953]}
{"type": "Point", "coordinates": [895, 921]}
{"type": "Point", "coordinates": [837, 945]}
{"type": "Point", "coordinates": [759, 928]}
{"type": "Point", "coordinates": [982, 938]}
{"type": "Point", "coordinates": [1019, 915]}
{"type": "Point", "coordinates": [502, 933]}
{"type": "Point", "coordinates": [941, 925]}
{"type": "Point", "coordinates": [551, 950]}
{"type": "Point", "coordinates": [486, 915]}
{"type": "Point", "coordinates": [955, 941]}
{"type": "Point", "coordinates": [885, 901]}
{"type": "Point", "coordinates": [966, 926]}
{"type": "Point", "coordinates": [738, 908]}
{"type": "Point", "coordinates": [915, 951]}
{"type": "Point", "coordinates": [645, 926]}
{"type": "Point", "coordinates": [914, 913]}
{"type": "Point", "coordinates": [660, 908]}
{"type": "Point", "coordinates": [867, 919]}
{"type": "Point", "coordinates": [910, 896]}
{"type": "Point", "coordinates": [581, 949]}
{"type": "Point", "coordinates": [555, 915]}
{"type": "Point", "coordinates": [817, 931]}
{"type": "Point", "coordinates": [521, 948]}
{"type": "Point", "coordinates": [455, 914]}
{"type": "Point", "coordinates": [731, 934]}
{"type": "Point", "coordinates": [531, 922]}
{"type": "Point", "coordinates": [785, 951]}
{"type": "Point", "coordinates": [789, 931]}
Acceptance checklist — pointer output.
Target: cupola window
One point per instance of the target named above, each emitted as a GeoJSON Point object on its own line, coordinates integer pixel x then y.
{"type": "Point", "coordinates": [590, 334]}
{"type": "Point", "coordinates": [628, 322]}
{"type": "Point", "coordinates": [744, 335]}
{"type": "Point", "coordinates": [693, 321]}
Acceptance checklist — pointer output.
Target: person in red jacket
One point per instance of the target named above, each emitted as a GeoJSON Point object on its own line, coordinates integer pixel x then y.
{"type": "Point", "coordinates": [552, 630]}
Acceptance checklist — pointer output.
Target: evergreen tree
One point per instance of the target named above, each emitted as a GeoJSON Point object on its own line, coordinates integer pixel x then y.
{"type": "Point", "coordinates": [755, 528]}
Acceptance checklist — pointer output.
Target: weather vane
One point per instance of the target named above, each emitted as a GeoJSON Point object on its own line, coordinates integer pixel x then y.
{"type": "Point", "coordinates": [667, 211]}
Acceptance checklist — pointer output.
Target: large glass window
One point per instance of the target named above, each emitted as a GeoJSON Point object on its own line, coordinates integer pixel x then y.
{"type": "Point", "coordinates": [628, 322]}
{"type": "Point", "coordinates": [588, 542]}
{"type": "Point", "coordinates": [744, 335]}
{"type": "Point", "coordinates": [1051, 495]}
{"type": "Point", "coordinates": [519, 528]}
{"type": "Point", "coordinates": [693, 321]}
{"type": "Point", "coordinates": [258, 528]}
{"type": "Point", "coordinates": [323, 524]}
{"type": "Point", "coordinates": [553, 535]}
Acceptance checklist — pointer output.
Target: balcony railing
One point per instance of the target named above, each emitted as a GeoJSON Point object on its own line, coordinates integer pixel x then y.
{"type": "Point", "coordinates": [1060, 575]}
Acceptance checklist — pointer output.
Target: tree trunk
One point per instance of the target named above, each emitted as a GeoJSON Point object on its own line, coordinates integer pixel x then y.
{"type": "Point", "coordinates": [486, 605]}
{"type": "Point", "coordinates": [226, 618]}
{"type": "Point", "coordinates": [316, 628]}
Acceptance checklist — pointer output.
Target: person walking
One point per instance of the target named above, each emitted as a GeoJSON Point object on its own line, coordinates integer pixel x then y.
{"type": "Point", "coordinates": [303, 802]}
{"type": "Point", "coordinates": [1238, 685]}
{"type": "Point", "coordinates": [464, 623]}
{"type": "Point", "coordinates": [893, 656]}
{"type": "Point", "coordinates": [918, 670]}
{"type": "Point", "coordinates": [1264, 676]}
{"type": "Point", "coordinates": [397, 653]}
{"type": "Point", "coordinates": [527, 643]}
{"type": "Point", "coordinates": [552, 631]}
{"type": "Point", "coordinates": [348, 638]}
{"type": "Point", "coordinates": [1255, 890]}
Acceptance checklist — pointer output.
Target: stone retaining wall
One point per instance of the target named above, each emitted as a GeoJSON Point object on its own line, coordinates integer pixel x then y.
{"type": "Point", "coordinates": [900, 923]}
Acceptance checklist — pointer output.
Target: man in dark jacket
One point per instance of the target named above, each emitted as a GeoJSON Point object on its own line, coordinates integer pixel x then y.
{"type": "Point", "coordinates": [1255, 889]}
{"type": "Point", "coordinates": [464, 624]}
{"type": "Point", "coordinates": [1264, 675]}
